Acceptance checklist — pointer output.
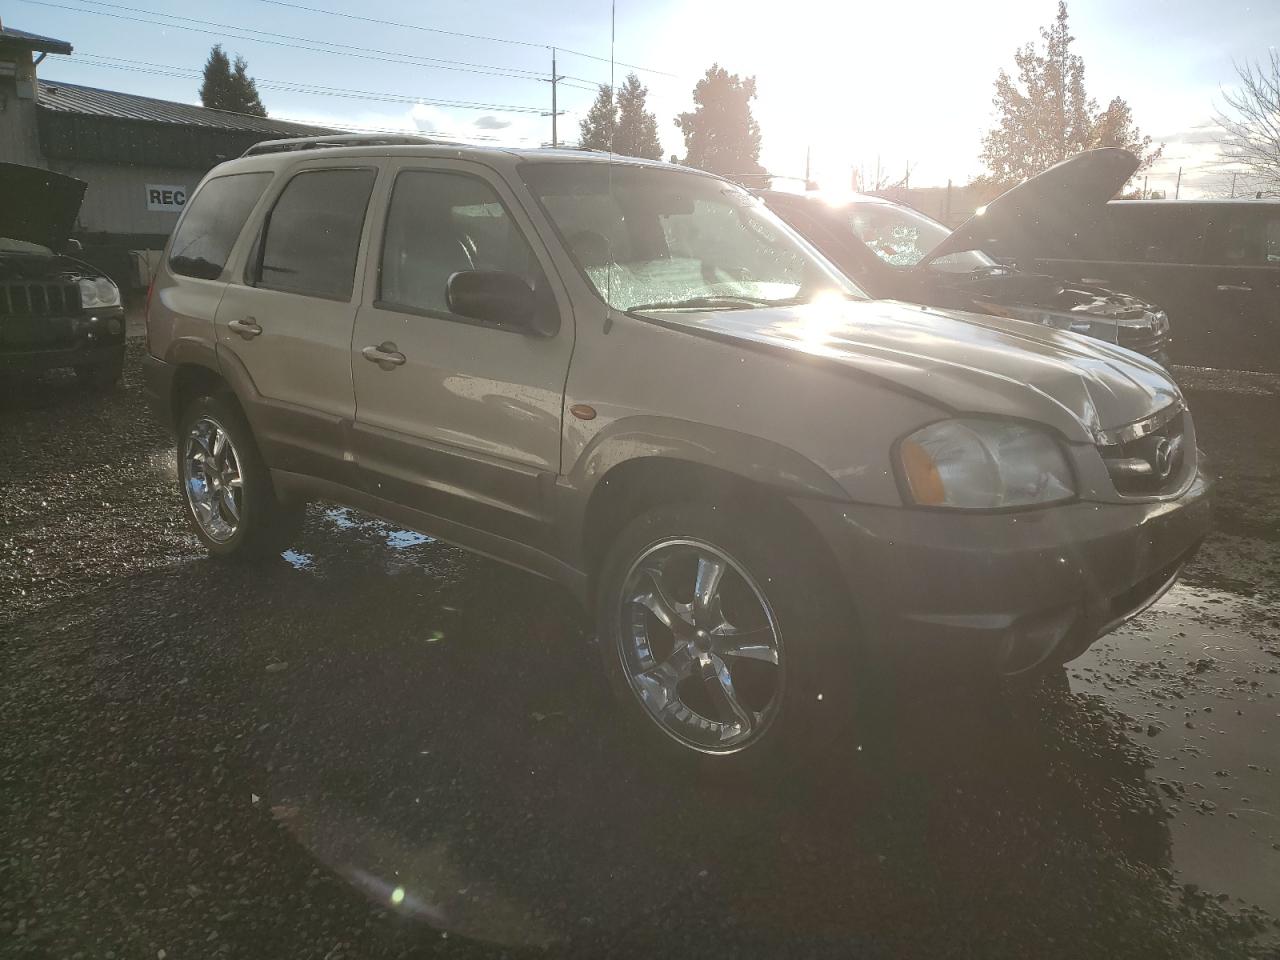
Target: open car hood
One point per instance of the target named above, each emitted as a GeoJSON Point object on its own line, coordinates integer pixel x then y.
{"type": "Point", "coordinates": [38, 206]}
{"type": "Point", "coordinates": [1048, 203]}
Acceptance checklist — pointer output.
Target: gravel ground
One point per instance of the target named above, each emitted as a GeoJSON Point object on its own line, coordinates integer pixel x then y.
{"type": "Point", "coordinates": [382, 747]}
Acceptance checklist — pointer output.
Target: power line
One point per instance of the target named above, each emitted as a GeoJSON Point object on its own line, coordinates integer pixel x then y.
{"type": "Point", "coordinates": [458, 33]}
{"type": "Point", "coordinates": [298, 86]}
{"type": "Point", "coordinates": [315, 46]}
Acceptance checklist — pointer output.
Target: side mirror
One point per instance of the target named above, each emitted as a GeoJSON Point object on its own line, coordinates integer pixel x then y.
{"type": "Point", "coordinates": [74, 246]}
{"type": "Point", "coordinates": [500, 298]}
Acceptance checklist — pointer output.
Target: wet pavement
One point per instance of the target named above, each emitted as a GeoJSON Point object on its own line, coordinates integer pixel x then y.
{"type": "Point", "coordinates": [379, 746]}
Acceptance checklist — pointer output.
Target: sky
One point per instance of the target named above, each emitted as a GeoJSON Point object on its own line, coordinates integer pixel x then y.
{"type": "Point", "coordinates": [904, 84]}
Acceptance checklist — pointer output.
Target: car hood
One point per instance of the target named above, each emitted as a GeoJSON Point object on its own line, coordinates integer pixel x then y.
{"type": "Point", "coordinates": [1051, 202]}
{"type": "Point", "coordinates": [1038, 291]}
{"type": "Point", "coordinates": [967, 362]}
{"type": "Point", "coordinates": [38, 206]}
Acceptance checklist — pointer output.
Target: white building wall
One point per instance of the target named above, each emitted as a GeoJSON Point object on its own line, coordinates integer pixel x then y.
{"type": "Point", "coordinates": [19, 142]}
{"type": "Point", "coordinates": [117, 200]}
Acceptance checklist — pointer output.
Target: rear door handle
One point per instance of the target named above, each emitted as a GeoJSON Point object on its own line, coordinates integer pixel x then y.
{"type": "Point", "coordinates": [247, 328]}
{"type": "Point", "coordinates": [1226, 287]}
{"type": "Point", "coordinates": [385, 355]}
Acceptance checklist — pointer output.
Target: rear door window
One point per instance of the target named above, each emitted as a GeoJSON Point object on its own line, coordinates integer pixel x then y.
{"type": "Point", "coordinates": [1155, 233]}
{"type": "Point", "coordinates": [212, 222]}
{"type": "Point", "coordinates": [313, 234]}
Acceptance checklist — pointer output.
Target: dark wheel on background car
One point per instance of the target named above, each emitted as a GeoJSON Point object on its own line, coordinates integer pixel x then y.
{"type": "Point", "coordinates": [101, 376]}
{"type": "Point", "coordinates": [226, 488]}
{"type": "Point", "coordinates": [727, 640]}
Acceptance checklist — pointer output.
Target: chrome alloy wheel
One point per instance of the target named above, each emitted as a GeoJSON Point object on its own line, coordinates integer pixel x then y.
{"type": "Point", "coordinates": [211, 479]}
{"type": "Point", "coordinates": [700, 646]}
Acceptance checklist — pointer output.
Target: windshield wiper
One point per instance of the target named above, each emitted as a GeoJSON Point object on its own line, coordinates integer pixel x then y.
{"type": "Point", "coordinates": [725, 302]}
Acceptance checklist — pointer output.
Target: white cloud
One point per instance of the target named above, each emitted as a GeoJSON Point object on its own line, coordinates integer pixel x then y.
{"type": "Point", "coordinates": [428, 119]}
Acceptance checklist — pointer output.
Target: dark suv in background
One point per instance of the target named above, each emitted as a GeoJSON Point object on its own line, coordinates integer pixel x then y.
{"type": "Point", "coordinates": [1214, 263]}
{"type": "Point", "coordinates": [55, 310]}
{"type": "Point", "coordinates": [895, 252]}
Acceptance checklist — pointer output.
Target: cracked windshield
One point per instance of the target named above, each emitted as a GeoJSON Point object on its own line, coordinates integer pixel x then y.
{"type": "Point", "coordinates": [621, 480]}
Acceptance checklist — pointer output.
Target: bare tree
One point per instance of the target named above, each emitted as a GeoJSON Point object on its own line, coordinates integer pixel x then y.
{"type": "Point", "coordinates": [1251, 121]}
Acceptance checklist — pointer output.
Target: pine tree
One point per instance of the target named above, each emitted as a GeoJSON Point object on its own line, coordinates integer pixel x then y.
{"type": "Point", "coordinates": [245, 90]}
{"type": "Point", "coordinates": [215, 91]}
{"type": "Point", "coordinates": [1046, 116]}
{"type": "Point", "coordinates": [720, 134]}
{"type": "Point", "coordinates": [596, 131]}
{"type": "Point", "coordinates": [227, 89]}
{"type": "Point", "coordinates": [637, 131]}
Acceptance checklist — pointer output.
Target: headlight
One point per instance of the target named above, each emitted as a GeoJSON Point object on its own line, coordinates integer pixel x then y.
{"type": "Point", "coordinates": [98, 293]}
{"type": "Point", "coordinates": [981, 464]}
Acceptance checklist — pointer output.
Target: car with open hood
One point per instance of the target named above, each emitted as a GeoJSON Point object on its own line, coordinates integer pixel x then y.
{"type": "Point", "coordinates": [896, 252]}
{"type": "Point", "coordinates": [55, 310]}
{"type": "Point", "coordinates": [769, 490]}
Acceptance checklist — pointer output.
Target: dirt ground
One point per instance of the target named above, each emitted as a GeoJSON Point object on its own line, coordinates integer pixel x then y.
{"type": "Point", "coordinates": [382, 747]}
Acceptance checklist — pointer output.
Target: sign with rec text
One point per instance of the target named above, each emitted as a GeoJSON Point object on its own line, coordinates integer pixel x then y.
{"type": "Point", "coordinates": [166, 199]}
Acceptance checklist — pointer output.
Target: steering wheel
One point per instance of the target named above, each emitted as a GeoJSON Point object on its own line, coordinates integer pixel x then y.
{"type": "Point", "coordinates": [590, 247]}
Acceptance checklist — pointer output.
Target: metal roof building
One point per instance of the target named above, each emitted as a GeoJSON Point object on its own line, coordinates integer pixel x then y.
{"type": "Point", "coordinates": [141, 156]}
{"type": "Point", "coordinates": [86, 123]}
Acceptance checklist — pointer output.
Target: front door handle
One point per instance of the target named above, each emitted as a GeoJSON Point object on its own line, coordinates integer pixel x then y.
{"type": "Point", "coordinates": [1240, 287]}
{"type": "Point", "coordinates": [247, 328]}
{"type": "Point", "coordinates": [385, 355]}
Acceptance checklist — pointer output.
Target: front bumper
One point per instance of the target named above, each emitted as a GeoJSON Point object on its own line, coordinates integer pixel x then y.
{"type": "Point", "coordinates": [39, 343]}
{"type": "Point", "coordinates": [81, 354]}
{"type": "Point", "coordinates": [1017, 590]}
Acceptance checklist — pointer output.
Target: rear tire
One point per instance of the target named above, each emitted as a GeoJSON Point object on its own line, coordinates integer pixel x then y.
{"type": "Point", "coordinates": [778, 624]}
{"type": "Point", "coordinates": [226, 487]}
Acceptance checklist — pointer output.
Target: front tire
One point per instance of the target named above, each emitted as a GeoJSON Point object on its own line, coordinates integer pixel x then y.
{"type": "Point", "coordinates": [225, 485]}
{"type": "Point", "coordinates": [727, 640]}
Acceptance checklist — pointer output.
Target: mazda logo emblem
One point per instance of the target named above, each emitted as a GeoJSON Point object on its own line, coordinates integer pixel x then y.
{"type": "Point", "coordinates": [1162, 458]}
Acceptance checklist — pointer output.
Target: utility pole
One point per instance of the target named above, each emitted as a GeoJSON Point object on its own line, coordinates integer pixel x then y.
{"type": "Point", "coordinates": [1177, 187]}
{"type": "Point", "coordinates": [555, 80]}
{"type": "Point", "coordinates": [1144, 187]}
{"type": "Point", "coordinates": [808, 184]}
{"type": "Point", "coordinates": [1233, 186]}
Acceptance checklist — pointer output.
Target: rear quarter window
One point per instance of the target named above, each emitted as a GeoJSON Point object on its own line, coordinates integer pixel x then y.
{"type": "Point", "coordinates": [212, 222]}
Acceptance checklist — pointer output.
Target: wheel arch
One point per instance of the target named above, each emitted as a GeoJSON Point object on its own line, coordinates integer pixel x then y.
{"type": "Point", "coordinates": [640, 483]}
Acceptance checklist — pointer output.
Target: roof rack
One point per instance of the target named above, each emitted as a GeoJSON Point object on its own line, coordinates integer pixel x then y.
{"type": "Point", "coordinates": [336, 140]}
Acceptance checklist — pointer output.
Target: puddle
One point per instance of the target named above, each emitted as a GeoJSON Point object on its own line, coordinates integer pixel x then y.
{"type": "Point", "coordinates": [344, 519]}
{"type": "Point", "coordinates": [298, 560]}
{"type": "Point", "coordinates": [403, 539]}
{"type": "Point", "coordinates": [1200, 677]}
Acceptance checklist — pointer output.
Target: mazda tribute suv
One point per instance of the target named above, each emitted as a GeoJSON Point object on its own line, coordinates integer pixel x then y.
{"type": "Point", "coordinates": [633, 379]}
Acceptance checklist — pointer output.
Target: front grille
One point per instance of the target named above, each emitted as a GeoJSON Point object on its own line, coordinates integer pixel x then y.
{"type": "Point", "coordinates": [39, 299]}
{"type": "Point", "coordinates": [1143, 340]}
{"type": "Point", "coordinates": [1147, 457]}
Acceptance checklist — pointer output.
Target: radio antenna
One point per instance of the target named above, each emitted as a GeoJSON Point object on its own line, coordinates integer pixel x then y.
{"type": "Point", "coordinates": [613, 129]}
